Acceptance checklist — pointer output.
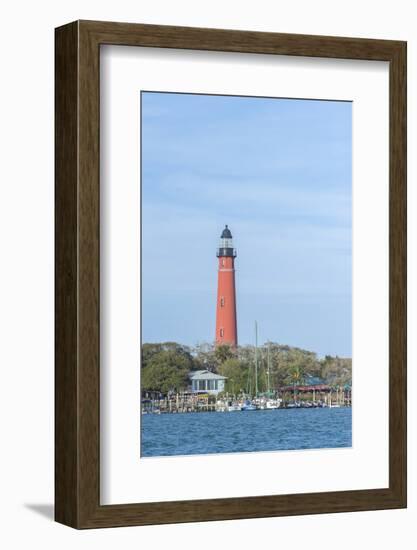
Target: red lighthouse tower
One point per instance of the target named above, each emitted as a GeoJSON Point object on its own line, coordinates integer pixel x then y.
{"type": "Point", "coordinates": [226, 325]}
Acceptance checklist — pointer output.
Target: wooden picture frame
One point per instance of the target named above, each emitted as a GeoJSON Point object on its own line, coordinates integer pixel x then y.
{"type": "Point", "coordinates": [77, 359]}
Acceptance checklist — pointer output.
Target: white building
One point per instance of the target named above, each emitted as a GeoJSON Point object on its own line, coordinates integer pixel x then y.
{"type": "Point", "coordinates": [207, 382]}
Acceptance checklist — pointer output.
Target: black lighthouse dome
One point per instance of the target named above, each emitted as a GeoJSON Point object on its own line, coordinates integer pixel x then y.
{"type": "Point", "coordinates": [226, 233]}
{"type": "Point", "coordinates": [226, 244]}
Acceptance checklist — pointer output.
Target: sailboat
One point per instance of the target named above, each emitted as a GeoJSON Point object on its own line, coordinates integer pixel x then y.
{"type": "Point", "coordinates": [249, 405]}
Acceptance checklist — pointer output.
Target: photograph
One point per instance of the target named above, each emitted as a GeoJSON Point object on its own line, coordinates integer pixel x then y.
{"type": "Point", "coordinates": [246, 274]}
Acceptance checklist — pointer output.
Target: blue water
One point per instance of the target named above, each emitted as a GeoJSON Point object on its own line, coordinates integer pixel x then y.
{"type": "Point", "coordinates": [232, 432]}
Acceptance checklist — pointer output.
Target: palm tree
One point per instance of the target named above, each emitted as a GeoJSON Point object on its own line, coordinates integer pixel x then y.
{"type": "Point", "coordinates": [295, 377]}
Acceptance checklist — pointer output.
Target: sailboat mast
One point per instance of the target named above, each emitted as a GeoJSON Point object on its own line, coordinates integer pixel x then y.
{"type": "Point", "coordinates": [256, 359]}
{"type": "Point", "coordinates": [269, 385]}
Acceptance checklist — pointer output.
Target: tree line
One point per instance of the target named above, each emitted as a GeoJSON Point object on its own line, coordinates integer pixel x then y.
{"type": "Point", "coordinates": [166, 366]}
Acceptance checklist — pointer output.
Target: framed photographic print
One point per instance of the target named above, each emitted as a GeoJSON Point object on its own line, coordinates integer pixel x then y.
{"type": "Point", "coordinates": [230, 274]}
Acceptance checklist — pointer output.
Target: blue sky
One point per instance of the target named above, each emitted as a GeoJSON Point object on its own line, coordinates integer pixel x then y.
{"type": "Point", "coordinates": [278, 172]}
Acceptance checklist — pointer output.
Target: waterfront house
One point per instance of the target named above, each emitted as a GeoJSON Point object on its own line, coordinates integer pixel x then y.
{"type": "Point", "coordinates": [204, 381]}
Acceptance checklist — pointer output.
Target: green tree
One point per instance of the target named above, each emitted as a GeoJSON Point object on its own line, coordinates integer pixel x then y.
{"type": "Point", "coordinates": [236, 373]}
{"type": "Point", "coordinates": [204, 357]}
{"type": "Point", "coordinates": [336, 371]}
{"type": "Point", "coordinates": [296, 377]}
{"type": "Point", "coordinates": [222, 353]}
{"type": "Point", "coordinates": [165, 367]}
